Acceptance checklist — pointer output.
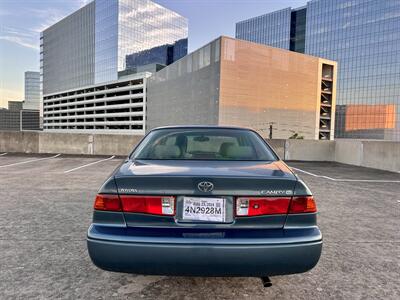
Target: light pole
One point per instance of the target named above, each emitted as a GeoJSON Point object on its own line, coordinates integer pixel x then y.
{"type": "Point", "coordinates": [271, 129]}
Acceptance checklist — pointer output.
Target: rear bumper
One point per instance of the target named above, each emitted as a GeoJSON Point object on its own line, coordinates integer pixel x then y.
{"type": "Point", "coordinates": [255, 257]}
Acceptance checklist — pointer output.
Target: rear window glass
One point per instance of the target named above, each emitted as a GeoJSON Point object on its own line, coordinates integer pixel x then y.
{"type": "Point", "coordinates": [203, 144]}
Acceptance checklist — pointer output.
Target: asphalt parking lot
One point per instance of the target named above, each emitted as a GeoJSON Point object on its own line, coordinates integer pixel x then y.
{"type": "Point", "coordinates": [45, 210]}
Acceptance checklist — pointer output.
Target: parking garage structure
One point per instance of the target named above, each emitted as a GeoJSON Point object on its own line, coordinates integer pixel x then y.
{"type": "Point", "coordinates": [112, 107]}
{"type": "Point", "coordinates": [279, 93]}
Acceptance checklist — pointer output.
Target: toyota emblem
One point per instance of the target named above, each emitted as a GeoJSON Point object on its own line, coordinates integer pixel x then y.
{"type": "Point", "coordinates": [205, 186]}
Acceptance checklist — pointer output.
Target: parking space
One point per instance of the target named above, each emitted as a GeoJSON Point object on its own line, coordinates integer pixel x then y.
{"type": "Point", "coordinates": [45, 212]}
{"type": "Point", "coordinates": [341, 172]}
{"type": "Point", "coordinates": [55, 164]}
{"type": "Point", "coordinates": [8, 159]}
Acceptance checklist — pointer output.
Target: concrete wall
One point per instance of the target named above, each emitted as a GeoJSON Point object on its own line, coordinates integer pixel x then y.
{"type": "Point", "coordinates": [64, 143]}
{"type": "Point", "coordinates": [67, 143]}
{"type": "Point", "coordinates": [105, 144]}
{"type": "Point", "coordinates": [186, 91]}
{"type": "Point", "coordinates": [349, 151]}
{"type": "Point", "coordinates": [278, 146]}
{"type": "Point", "coordinates": [16, 141]}
{"type": "Point", "coordinates": [312, 150]}
{"type": "Point", "coordinates": [382, 155]}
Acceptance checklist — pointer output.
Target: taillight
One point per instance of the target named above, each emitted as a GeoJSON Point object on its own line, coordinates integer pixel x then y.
{"type": "Point", "coordinates": [107, 202]}
{"type": "Point", "coordinates": [303, 204]}
{"type": "Point", "coordinates": [157, 205]}
{"type": "Point", "coordinates": [256, 206]}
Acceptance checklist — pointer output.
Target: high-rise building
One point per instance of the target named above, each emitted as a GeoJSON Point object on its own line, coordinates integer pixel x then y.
{"type": "Point", "coordinates": [15, 105]}
{"type": "Point", "coordinates": [32, 90]}
{"type": "Point", "coordinates": [272, 29]}
{"type": "Point", "coordinates": [95, 63]}
{"type": "Point", "coordinates": [91, 45]}
{"type": "Point", "coordinates": [236, 82]}
{"type": "Point", "coordinates": [363, 36]}
{"type": "Point", "coordinates": [16, 118]}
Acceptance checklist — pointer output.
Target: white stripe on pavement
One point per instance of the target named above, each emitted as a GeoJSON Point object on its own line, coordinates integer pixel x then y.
{"type": "Point", "coordinates": [87, 165]}
{"type": "Point", "coordinates": [29, 161]}
{"type": "Point", "coordinates": [346, 180]}
{"type": "Point", "coordinates": [3, 154]}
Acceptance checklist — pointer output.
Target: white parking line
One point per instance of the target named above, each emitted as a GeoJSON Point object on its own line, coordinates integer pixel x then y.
{"type": "Point", "coordinates": [346, 180]}
{"type": "Point", "coordinates": [87, 165]}
{"type": "Point", "coordinates": [3, 154]}
{"type": "Point", "coordinates": [29, 161]}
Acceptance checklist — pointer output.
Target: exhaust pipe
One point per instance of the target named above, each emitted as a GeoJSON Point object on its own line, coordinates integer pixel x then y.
{"type": "Point", "coordinates": [266, 281]}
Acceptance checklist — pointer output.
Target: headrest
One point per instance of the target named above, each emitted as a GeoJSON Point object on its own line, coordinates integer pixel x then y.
{"type": "Point", "coordinates": [223, 148]}
{"type": "Point", "coordinates": [166, 152]}
{"type": "Point", "coordinates": [240, 152]}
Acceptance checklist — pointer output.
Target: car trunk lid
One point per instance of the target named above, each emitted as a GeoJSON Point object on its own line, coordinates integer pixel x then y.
{"type": "Point", "coordinates": [182, 178]}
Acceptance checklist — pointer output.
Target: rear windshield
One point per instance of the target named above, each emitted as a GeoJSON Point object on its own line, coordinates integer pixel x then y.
{"type": "Point", "coordinates": [203, 144]}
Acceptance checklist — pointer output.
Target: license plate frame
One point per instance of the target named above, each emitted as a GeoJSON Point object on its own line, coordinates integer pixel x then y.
{"type": "Point", "coordinates": [204, 209]}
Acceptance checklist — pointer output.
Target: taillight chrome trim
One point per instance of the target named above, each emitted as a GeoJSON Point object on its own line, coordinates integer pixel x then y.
{"type": "Point", "coordinates": [261, 206]}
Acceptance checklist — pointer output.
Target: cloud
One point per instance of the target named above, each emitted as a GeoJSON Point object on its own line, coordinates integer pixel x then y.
{"type": "Point", "coordinates": [43, 19]}
{"type": "Point", "coordinates": [21, 36]}
{"type": "Point", "coordinates": [19, 41]}
{"type": "Point", "coordinates": [29, 37]}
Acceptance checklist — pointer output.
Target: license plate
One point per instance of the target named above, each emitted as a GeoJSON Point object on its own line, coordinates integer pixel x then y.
{"type": "Point", "coordinates": [204, 209]}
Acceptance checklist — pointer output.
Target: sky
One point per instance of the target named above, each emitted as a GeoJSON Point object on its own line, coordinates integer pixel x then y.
{"type": "Point", "coordinates": [21, 22]}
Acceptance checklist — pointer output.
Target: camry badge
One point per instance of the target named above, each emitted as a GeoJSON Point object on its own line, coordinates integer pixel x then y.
{"type": "Point", "coordinates": [205, 186]}
{"type": "Point", "coordinates": [276, 192]}
{"type": "Point", "coordinates": [128, 190]}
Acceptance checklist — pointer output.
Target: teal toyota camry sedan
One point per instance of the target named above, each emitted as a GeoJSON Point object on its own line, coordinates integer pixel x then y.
{"type": "Point", "coordinates": [204, 201]}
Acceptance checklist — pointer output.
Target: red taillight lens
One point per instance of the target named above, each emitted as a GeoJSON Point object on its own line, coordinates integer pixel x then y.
{"type": "Point", "coordinates": [304, 204]}
{"type": "Point", "coordinates": [255, 206]}
{"type": "Point", "coordinates": [157, 205]}
{"type": "Point", "coordinates": [107, 202]}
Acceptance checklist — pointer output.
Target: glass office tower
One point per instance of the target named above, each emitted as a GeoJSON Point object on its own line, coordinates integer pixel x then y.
{"type": "Point", "coordinates": [106, 41]}
{"type": "Point", "coordinates": [271, 29]}
{"type": "Point", "coordinates": [32, 90]}
{"type": "Point", "coordinates": [364, 38]}
{"type": "Point", "coordinates": [91, 45]}
{"type": "Point", "coordinates": [67, 52]}
{"type": "Point", "coordinates": [136, 28]}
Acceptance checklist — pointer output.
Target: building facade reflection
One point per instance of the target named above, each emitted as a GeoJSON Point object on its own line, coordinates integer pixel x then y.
{"type": "Point", "coordinates": [162, 55]}
{"type": "Point", "coordinates": [376, 120]}
{"type": "Point", "coordinates": [135, 33]}
{"type": "Point", "coordinates": [92, 45]}
{"type": "Point", "coordinates": [364, 38]}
